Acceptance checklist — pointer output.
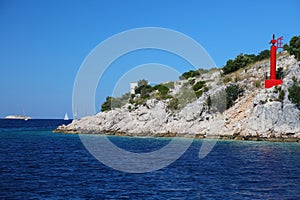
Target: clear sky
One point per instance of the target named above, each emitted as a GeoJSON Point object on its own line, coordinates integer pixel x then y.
{"type": "Point", "coordinates": [43, 43]}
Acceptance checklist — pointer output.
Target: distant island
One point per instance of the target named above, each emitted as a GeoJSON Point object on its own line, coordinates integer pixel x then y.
{"type": "Point", "coordinates": [230, 102]}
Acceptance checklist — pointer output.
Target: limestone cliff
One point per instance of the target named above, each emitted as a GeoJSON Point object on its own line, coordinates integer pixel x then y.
{"type": "Point", "coordinates": [258, 114]}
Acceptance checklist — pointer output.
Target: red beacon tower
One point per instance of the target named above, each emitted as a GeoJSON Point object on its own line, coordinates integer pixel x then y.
{"type": "Point", "coordinates": [275, 45]}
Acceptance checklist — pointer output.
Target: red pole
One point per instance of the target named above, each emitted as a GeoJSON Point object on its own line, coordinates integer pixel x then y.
{"type": "Point", "coordinates": [273, 81]}
{"type": "Point", "coordinates": [273, 62]}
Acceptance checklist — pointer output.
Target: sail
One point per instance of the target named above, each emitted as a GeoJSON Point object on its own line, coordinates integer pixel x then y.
{"type": "Point", "coordinates": [66, 117]}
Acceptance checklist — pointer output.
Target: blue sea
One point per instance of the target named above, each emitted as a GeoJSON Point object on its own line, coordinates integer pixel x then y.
{"type": "Point", "coordinates": [39, 164]}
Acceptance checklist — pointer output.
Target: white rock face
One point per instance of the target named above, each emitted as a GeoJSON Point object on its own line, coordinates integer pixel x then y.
{"type": "Point", "coordinates": [258, 113]}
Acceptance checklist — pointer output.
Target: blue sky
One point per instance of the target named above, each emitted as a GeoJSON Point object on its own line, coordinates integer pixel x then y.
{"type": "Point", "coordinates": [43, 43]}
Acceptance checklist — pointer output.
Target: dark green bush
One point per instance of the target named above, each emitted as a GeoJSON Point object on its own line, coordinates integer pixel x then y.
{"type": "Point", "coordinates": [106, 105]}
{"type": "Point", "coordinates": [294, 94]}
{"type": "Point", "coordinates": [281, 95]}
{"type": "Point", "coordinates": [242, 60]}
{"type": "Point", "coordinates": [199, 93]}
{"type": "Point", "coordinates": [189, 74]}
{"type": "Point", "coordinates": [209, 102]}
{"type": "Point", "coordinates": [144, 91]}
{"type": "Point", "coordinates": [163, 90]}
{"type": "Point", "coordinates": [232, 93]}
{"type": "Point", "coordinates": [115, 102]}
{"type": "Point", "coordinates": [239, 62]}
{"type": "Point", "coordinates": [198, 85]}
{"type": "Point", "coordinates": [173, 104]}
{"type": "Point", "coordinates": [192, 81]}
{"type": "Point", "coordinates": [279, 73]}
{"type": "Point", "coordinates": [142, 82]}
{"type": "Point", "coordinates": [262, 55]}
{"type": "Point", "coordinates": [294, 47]}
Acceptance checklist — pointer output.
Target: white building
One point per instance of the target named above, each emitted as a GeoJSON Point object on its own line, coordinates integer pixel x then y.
{"type": "Point", "coordinates": [133, 86]}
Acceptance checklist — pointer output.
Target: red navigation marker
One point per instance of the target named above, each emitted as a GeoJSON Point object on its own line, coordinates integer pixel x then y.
{"type": "Point", "coordinates": [275, 45]}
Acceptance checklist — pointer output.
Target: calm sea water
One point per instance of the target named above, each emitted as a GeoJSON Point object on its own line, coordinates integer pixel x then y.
{"type": "Point", "coordinates": [39, 164]}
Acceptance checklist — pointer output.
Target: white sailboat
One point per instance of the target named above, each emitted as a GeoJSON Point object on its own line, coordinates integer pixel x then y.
{"type": "Point", "coordinates": [66, 117]}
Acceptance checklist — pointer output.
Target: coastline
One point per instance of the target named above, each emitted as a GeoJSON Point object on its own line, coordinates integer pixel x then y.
{"type": "Point", "coordinates": [196, 136]}
{"type": "Point", "coordinates": [258, 114]}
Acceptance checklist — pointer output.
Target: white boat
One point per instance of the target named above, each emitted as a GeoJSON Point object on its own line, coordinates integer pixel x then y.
{"type": "Point", "coordinates": [18, 117]}
{"type": "Point", "coordinates": [66, 117]}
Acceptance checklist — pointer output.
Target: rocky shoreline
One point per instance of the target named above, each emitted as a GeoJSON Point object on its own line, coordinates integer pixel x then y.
{"type": "Point", "coordinates": [286, 138]}
{"type": "Point", "coordinates": [258, 115]}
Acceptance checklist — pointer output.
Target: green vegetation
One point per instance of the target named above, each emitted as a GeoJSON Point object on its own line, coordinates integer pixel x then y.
{"type": "Point", "coordinates": [281, 95]}
{"type": "Point", "coordinates": [257, 83]}
{"type": "Point", "coordinates": [242, 60]}
{"type": "Point", "coordinates": [173, 104]}
{"type": "Point", "coordinates": [191, 89]}
{"type": "Point", "coordinates": [142, 82]}
{"type": "Point", "coordinates": [162, 92]}
{"type": "Point", "coordinates": [294, 47]}
{"type": "Point", "coordinates": [233, 91]}
{"type": "Point", "coordinates": [239, 62]}
{"type": "Point", "coordinates": [144, 91]}
{"type": "Point", "coordinates": [193, 73]}
{"type": "Point", "coordinates": [115, 102]}
{"type": "Point", "coordinates": [227, 79]}
{"type": "Point", "coordinates": [185, 95]}
{"type": "Point", "coordinates": [294, 94]}
{"type": "Point", "coordinates": [200, 88]}
{"type": "Point", "coordinates": [192, 81]}
{"type": "Point", "coordinates": [262, 55]}
{"type": "Point", "coordinates": [169, 85]}
{"type": "Point", "coordinates": [189, 74]}
{"type": "Point", "coordinates": [277, 89]}
{"type": "Point", "coordinates": [106, 105]}
{"type": "Point", "coordinates": [279, 73]}
{"type": "Point", "coordinates": [199, 85]}
{"type": "Point", "coordinates": [209, 102]}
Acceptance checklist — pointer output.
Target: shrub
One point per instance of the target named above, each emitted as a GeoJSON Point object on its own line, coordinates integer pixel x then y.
{"type": "Point", "coordinates": [199, 85]}
{"type": "Point", "coordinates": [209, 102]}
{"type": "Point", "coordinates": [281, 95]}
{"type": "Point", "coordinates": [129, 108]}
{"type": "Point", "coordinates": [185, 95]}
{"type": "Point", "coordinates": [199, 93]}
{"type": "Point", "coordinates": [189, 74]}
{"type": "Point", "coordinates": [277, 89]}
{"type": "Point", "coordinates": [294, 47]}
{"type": "Point", "coordinates": [163, 90]}
{"type": "Point", "coordinates": [239, 62]}
{"type": "Point", "coordinates": [106, 105]}
{"type": "Point", "coordinates": [131, 100]}
{"type": "Point", "coordinates": [142, 82]}
{"type": "Point", "coordinates": [262, 55]}
{"type": "Point", "coordinates": [144, 91]}
{"type": "Point", "coordinates": [294, 94]}
{"type": "Point", "coordinates": [218, 102]}
{"type": "Point", "coordinates": [232, 93]}
{"type": "Point", "coordinates": [115, 102]}
{"type": "Point", "coordinates": [242, 60]}
{"type": "Point", "coordinates": [237, 78]}
{"type": "Point", "coordinates": [169, 85]}
{"type": "Point", "coordinates": [279, 73]}
{"type": "Point", "coordinates": [173, 104]}
{"type": "Point", "coordinates": [257, 83]}
{"type": "Point", "coordinates": [192, 81]}
{"type": "Point", "coordinates": [227, 79]}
